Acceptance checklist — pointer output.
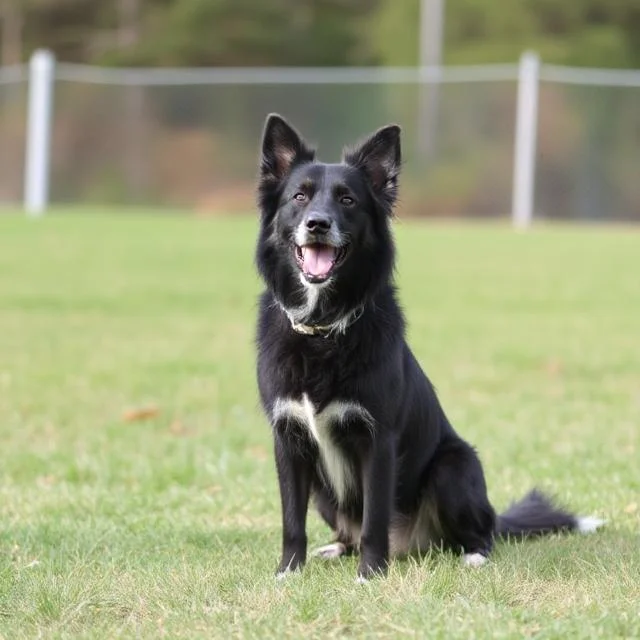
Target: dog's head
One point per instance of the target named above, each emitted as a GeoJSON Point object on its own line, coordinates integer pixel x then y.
{"type": "Point", "coordinates": [325, 227]}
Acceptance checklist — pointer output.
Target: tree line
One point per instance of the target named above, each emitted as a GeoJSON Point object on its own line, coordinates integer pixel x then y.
{"type": "Point", "coordinates": [316, 32]}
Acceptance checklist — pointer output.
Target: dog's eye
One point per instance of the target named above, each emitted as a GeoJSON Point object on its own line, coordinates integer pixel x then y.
{"type": "Point", "coordinates": [347, 201]}
{"type": "Point", "coordinates": [300, 197]}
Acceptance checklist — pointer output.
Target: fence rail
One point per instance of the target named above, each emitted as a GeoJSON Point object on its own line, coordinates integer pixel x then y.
{"type": "Point", "coordinates": [13, 74]}
{"type": "Point", "coordinates": [145, 77]}
{"type": "Point", "coordinates": [526, 140]}
{"type": "Point", "coordinates": [591, 77]}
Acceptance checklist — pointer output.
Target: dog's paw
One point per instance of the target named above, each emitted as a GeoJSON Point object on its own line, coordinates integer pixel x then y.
{"type": "Point", "coordinates": [285, 574]}
{"type": "Point", "coordinates": [474, 560]}
{"type": "Point", "coordinates": [286, 569]}
{"type": "Point", "coordinates": [369, 570]}
{"type": "Point", "coordinates": [330, 551]}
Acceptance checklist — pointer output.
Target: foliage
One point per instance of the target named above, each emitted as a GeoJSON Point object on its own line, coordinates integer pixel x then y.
{"type": "Point", "coordinates": [328, 32]}
{"type": "Point", "coordinates": [580, 32]}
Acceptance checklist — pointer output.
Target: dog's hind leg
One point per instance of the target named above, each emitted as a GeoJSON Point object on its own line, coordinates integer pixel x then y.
{"type": "Point", "coordinates": [325, 506]}
{"type": "Point", "coordinates": [456, 493]}
{"type": "Point", "coordinates": [343, 545]}
{"type": "Point", "coordinates": [332, 551]}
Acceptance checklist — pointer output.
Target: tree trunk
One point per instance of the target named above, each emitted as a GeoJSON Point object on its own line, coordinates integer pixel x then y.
{"type": "Point", "coordinates": [12, 21]}
{"type": "Point", "coordinates": [128, 13]}
{"type": "Point", "coordinates": [136, 139]}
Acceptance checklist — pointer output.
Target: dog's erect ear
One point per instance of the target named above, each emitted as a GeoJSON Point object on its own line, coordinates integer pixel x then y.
{"type": "Point", "coordinates": [282, 149]}
{"type": "Point", "coordinates": [379, 156]}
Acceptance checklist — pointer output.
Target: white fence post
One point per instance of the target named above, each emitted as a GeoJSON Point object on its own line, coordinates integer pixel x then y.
{"type": "Point", "coordinates": [36, 184]}
{"type": "Point", "coordinates": [524, 169]}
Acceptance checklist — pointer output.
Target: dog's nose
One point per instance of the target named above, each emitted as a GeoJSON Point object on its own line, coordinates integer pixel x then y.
{"type": "Point", "coordinates": [317, 223]}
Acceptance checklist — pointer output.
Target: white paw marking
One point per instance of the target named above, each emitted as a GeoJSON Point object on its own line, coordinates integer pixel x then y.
{"type": "Point", "coordinates": [330, 551]}
{"type": "Point", "coordinates": [283, 575]}
{"type": "Point", "coordinates": [361, 580]}
{"type": "Point", "coordinates": [474, 559]}
{"type": "Point", "coordinates": [587, 524]}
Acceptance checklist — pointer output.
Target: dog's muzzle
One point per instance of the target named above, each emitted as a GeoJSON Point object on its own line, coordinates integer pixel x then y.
{"type": "Point", "coordinates": [318, 248]}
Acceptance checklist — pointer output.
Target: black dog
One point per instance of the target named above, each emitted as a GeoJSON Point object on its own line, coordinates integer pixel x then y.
{"type": "Point", "coordinates": [356, 422]}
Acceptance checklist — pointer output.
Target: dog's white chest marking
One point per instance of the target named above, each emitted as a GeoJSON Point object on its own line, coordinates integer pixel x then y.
{"type": "Point", "coordinates": [338, 470]}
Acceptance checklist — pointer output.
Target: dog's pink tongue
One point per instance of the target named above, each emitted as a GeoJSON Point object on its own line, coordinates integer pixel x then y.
{"type": "Point", "coordinates": [318, 259]}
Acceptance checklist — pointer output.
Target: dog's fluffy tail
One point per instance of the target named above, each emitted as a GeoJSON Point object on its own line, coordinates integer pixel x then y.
{"type": "Point", "coordinates": [536, 514]}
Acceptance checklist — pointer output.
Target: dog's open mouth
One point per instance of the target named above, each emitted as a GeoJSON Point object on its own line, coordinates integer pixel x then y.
{"type": "Point", "coordinates": [317, 261]}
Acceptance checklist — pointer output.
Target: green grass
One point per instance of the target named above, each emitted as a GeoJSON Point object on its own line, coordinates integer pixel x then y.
{"type": "Point", "coordinates": [170, 526]}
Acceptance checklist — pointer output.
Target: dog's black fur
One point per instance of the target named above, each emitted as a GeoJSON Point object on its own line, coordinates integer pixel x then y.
{"type": "Point", "coordinates": [334, 342]}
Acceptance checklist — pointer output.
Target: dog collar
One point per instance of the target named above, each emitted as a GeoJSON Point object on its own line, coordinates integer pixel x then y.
{"type": "Point", "coordinates": [311, 330]}
{"type": "Point", "coordinates": [327, 329]}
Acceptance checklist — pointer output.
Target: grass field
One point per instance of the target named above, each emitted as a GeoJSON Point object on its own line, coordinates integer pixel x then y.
{"type": "Point", "coordinates": [116, 526]}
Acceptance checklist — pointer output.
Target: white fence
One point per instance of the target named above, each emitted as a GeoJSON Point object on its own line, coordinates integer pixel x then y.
{"type": "Point", "coordinates": [528, 140]}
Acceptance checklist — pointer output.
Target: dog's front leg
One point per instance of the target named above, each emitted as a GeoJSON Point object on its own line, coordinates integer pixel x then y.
{"type": "Point", "coordinates": [378, 485]}
{"type": "Point", "coordinates": [294, 477]}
